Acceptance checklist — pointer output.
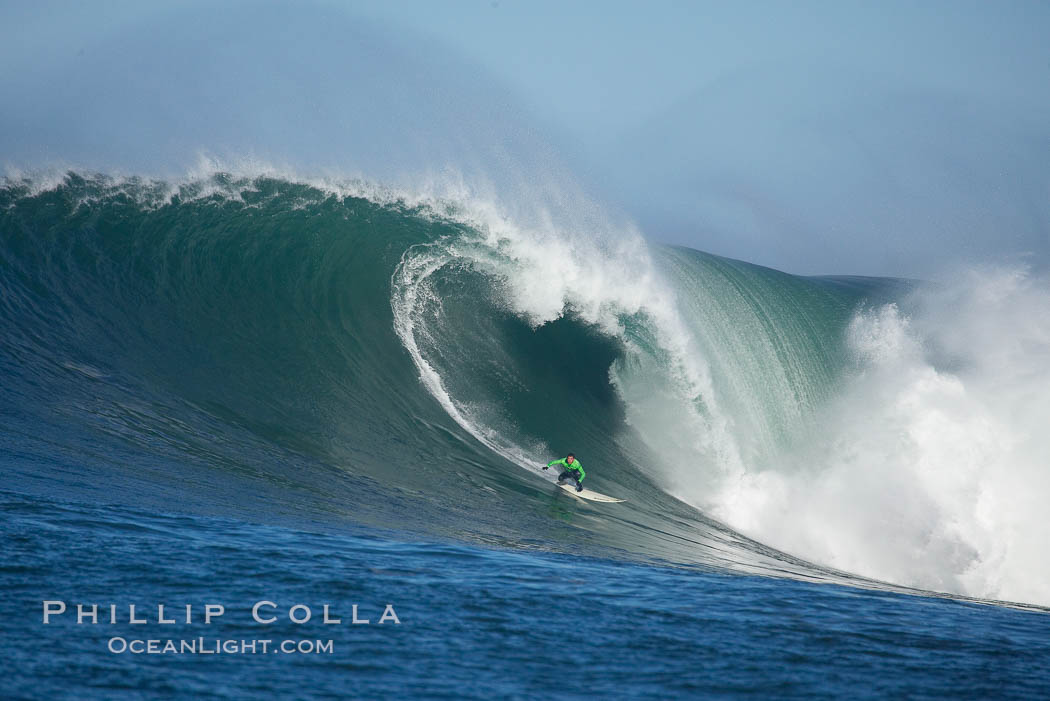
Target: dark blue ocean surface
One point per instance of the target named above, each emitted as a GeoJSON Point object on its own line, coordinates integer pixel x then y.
{"type": "Point", "coordinates": [474, 622]}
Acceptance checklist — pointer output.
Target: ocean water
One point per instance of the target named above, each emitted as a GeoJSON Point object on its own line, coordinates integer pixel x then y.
{"type": "Point", "coordinates": [235, 389]}
{"type": "Point", "coordinates": [475, 622]}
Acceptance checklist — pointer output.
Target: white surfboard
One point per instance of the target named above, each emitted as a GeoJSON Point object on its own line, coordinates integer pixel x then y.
{"type": "Point", "coordinates": [589, 495]}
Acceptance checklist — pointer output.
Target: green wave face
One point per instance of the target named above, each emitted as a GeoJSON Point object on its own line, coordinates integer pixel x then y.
{"type": "Point", "coordinates": [284, 333]}
{"type": "Point", "coordinates": [286, 350]}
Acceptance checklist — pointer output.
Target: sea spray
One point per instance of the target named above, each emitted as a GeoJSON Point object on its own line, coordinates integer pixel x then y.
{"type": "Point", "coordinates": [929, 466]}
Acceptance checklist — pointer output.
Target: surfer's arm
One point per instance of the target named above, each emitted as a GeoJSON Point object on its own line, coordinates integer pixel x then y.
{"type": "Point", "coordinates": [552, 463]}
{"type": "Point", "coordinates": [582, 473]}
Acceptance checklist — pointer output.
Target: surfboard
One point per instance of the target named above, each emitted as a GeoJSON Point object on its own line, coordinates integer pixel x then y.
{"type": "Point", "coordinates": [589, 495]}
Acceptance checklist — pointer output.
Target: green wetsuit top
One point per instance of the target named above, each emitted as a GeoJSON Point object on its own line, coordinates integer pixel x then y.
{"type": "Point", "coordinates": [574, 466]}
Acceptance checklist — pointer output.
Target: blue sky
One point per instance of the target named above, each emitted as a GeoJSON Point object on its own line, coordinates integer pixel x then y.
{"type": "Point", "coordinates": [600, 68]}
{"type": "Point", "coordinates": [889, 137]}
{"type": "Point", "coordinates": [819, 137]}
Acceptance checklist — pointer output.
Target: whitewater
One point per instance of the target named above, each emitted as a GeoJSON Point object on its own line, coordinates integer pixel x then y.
{"type": "Point", "coordinates": [808, 424]}
{"type": "Point", "coordinates": [877, 432]}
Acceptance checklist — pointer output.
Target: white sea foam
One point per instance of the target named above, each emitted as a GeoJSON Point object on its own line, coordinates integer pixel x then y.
{"type": "Point", "coordinates": [932, 466]}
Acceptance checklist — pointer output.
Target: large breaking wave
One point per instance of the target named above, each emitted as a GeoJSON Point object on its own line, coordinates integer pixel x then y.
{"type": "Point", "coordinates": [425, 354]}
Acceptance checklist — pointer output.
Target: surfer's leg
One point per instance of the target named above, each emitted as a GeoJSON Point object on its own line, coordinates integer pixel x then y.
{"type": "Point", "coordinates": [563, 476]}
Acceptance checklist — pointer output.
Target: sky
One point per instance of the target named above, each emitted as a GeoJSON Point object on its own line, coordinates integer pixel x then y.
{"type": "Point", "coordinates": [600, 69]}
{"type": "Point", "coordinates": [893, 138]}
{"type": "Point", "coordinates": [890, 138]}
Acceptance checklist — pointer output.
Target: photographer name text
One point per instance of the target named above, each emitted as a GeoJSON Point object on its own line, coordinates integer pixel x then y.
{"type": "Point", "coordinates": [263, 612]}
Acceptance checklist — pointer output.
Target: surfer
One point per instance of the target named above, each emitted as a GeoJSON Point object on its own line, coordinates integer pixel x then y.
{"type": "Point", "coordinates": [573, 470]}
